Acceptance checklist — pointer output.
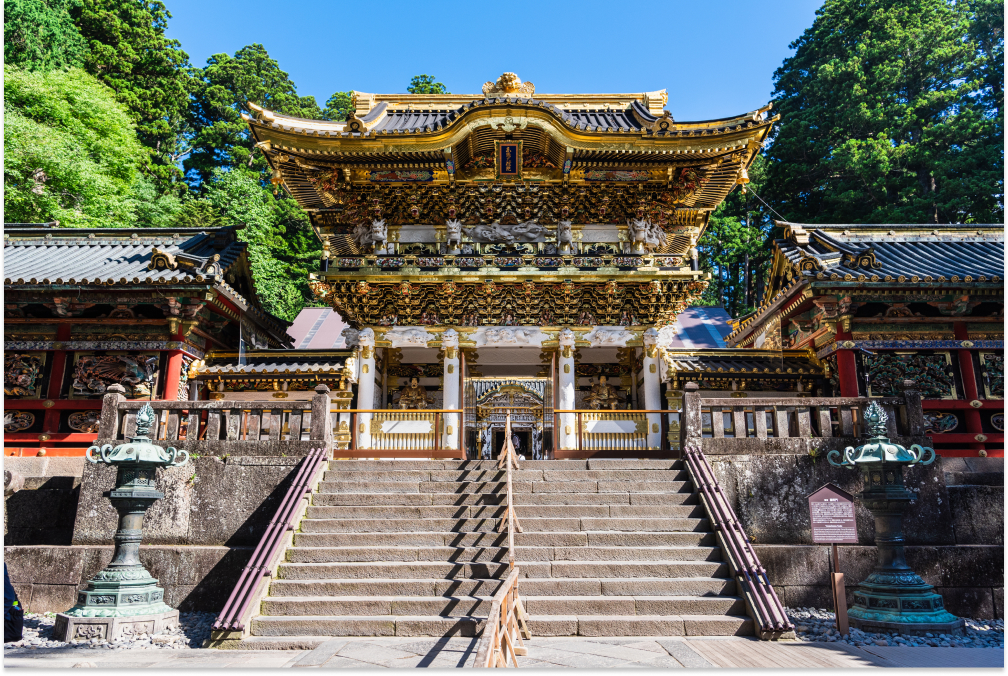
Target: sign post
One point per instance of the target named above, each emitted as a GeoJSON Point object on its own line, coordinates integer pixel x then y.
{"type": "Point", "coordinates": [831, 512]}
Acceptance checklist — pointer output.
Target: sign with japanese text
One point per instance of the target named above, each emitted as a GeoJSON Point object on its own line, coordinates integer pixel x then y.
{"type": "Point", "coordinates": [508, 159]}
{"type": "Point", "coordinates": [831, 510]}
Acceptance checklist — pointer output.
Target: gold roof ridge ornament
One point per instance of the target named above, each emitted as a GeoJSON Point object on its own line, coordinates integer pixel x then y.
{"type": "Point", "coordinates": [509, 83]}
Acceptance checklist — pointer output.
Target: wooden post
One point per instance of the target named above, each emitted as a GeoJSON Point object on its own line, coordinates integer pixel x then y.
{"type": "Point", "coordinates": [839, 594]}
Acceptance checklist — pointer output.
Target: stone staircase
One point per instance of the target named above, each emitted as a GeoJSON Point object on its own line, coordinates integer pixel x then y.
{"type": "Point", "coordinates": [411, 548]}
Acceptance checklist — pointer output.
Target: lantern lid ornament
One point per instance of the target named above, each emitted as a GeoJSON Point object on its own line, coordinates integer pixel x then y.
{"type": "Point", "coordinates": [879, 449]}
{"type": "Point", "coordinates": [139, 450]}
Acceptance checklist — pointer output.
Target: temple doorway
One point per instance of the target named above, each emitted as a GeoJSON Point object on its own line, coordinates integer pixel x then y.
{"type": "Point", "coordinates": [487, 402]}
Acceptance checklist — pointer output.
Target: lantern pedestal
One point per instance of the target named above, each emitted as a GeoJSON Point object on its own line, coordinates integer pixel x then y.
{"type": "Point", "coordinates": [124, 598]}
{"type": "Point", "coordinates": [894, 597]}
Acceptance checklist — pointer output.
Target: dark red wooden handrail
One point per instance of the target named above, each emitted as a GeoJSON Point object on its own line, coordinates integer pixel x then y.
{"type": "Point", "coordinates": [258, 565]}
{"type": "Point", "coordinates": [767, 607]}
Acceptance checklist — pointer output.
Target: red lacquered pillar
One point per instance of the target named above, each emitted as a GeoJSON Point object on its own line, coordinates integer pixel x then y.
{"type": "Point", "coordinates": [173, 373]}
{"type": "Point", "coordinates": [50, 423]}
{"type": "Point", "coordinates": [846, 368]}
{"type": "Point", "coordinates": [970, 391]}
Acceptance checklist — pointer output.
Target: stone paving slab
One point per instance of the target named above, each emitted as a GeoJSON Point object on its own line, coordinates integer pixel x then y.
{"type": "Point", "coordinates": [602, 652]}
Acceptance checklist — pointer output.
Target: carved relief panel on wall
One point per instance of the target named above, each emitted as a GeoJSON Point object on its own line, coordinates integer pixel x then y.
{"type": "Point", "coordinates": [23, 375]}
{"type": "Point", "coordinates": [93, 373]}
{"type": "Point", "coordinates": [992, 366]}
{"type": "Point", "coordinates": [932, 374]}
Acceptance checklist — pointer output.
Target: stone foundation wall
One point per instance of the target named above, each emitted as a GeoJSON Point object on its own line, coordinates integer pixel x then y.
{"type": "Point", "coordinates": [209, 501]}
{"type": "Point", "coordinates": [954, 530]}
{"type": "Point", "coordinates": [47, 578]}
{"type": "Point", "coordinates": [215, 510]}
{"type": "Point", "coordinates": [970, 578]}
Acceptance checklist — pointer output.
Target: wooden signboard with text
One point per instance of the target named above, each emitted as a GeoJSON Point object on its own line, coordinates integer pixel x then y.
{"type": "Point", "coordinates": [831, 512]}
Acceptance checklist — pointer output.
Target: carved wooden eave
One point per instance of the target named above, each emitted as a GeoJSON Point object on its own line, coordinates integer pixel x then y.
{"type": "Point", "coordinates": [579, 140]}
{"type": "Point", "coordinates": [925, 260]}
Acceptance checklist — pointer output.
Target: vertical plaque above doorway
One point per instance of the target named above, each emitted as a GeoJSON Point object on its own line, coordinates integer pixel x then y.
{"type": "Point", "coordinates": [508, 160]}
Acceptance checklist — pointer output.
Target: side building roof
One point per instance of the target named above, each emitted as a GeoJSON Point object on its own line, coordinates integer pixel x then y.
{"type": "Point", "coordinates": [835, 258]}
{"type": "Point", "coordinates": [44, 257]}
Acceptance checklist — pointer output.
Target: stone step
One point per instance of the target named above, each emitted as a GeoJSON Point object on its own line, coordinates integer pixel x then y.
{"type": "Point", "coordinates": [532, 569]}
{"type": "Point", "coordinates": [398, 525]}
{"type": "Point", "coordinates": [499, 553]}
{"type": "Point", "coordinates": [529, 524]}
{"type": "Point", "coordinates": [641, 586]}
{"type": "Point", "coordinates": [344, 485]}
{"type": "Point", "coordinates": [632, 605]}
{"type": "Point", "coordinates": [376, 554]}
{"type": "Point", "coordinates": [628, 586]}
{"type": "Point", "coordinates": [431, 465]}
{"type": "Point", "coordinates": [683, 497]}
{"type": "Point", "coordinates": [384, 587]}
{"type": "Point", "coordinates": [498, 511]}
{"type": "Point", "coordinates": [493, 539]}
{"type": "Point", "coordinates": [392, 570]}
{"type": "Point", "coordinates": [366, 625]}
{"type": "Point", "coordinates": [378, 605]}
{"type": "Point", "coordinates": [622, 569]}
{"type": "Point", "coordinates": [640, 625]}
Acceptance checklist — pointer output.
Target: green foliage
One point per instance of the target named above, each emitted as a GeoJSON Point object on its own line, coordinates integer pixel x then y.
{"type": "Point", "coordinates": [128, 51]}
{"type": "Point", "coordinates": [221, 92]}
{"type": "Point", "coordinates": [735, 248]}
{"type": "Point", "coordinates": [425, 84]}
{"type": "Point", "coordinates": [70, 153]}
{"type": "Point", "coordinates": [41, 35]}
{"type": "Point", "coordinates": [277, 232]}
{"type": "Point", "coordinates": [338, 107]}
{"type": "Point", "coordinates": [892, 111]}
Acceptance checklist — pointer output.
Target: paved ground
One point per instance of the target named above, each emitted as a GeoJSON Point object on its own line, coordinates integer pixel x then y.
{"type": "Point", "coordinates": [543, 652]}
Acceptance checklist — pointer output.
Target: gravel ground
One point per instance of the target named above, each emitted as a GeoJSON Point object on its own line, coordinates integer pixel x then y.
{"type": "Point", "coordinates": [819, 624]}
{"type": "Point", "coordinates": [190, 632]}
{"type": "Point", "coordinates": [812, 624]}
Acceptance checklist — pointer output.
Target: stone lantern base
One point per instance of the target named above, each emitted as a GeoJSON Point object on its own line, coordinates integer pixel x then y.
{"type": "Point", "coordinates": [111, 628]}
{"type": "Point", "coordinates": [117, 600]}
{"type": "Point", "coordinates": [901, 602]}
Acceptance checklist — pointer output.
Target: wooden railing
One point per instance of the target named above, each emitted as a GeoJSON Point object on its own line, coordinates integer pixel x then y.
{"type": "Point", "coordinates": [767, 611]}
{"type": "Point", "coordinates": [397, 433]}
{"type": "Point", "coordinates": [585, 433]}
{"type": "Point", "coordinates": [508, 621]}
{"type": "Point", "coordinates": [232, 624]}
{"type": "Point", "coordinates": [222, 426]}
{"type": "Point", "coordinates": [791, 425]}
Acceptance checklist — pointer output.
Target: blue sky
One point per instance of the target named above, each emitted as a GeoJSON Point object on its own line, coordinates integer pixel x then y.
{"type": "Point", "coordinates": [715, 58]}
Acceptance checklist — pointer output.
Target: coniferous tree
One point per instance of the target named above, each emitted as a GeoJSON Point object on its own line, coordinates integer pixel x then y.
{"type": "Point", "coordinates": [425, 84]}
{"type": "Point", "coordinates": [892, 112]}
{"type": "Point", "coordinates": [41, 35]}
{"type": "Point", "coordinates": [221, 93]}
{"type": "Point", "coordinates": [128, 51]}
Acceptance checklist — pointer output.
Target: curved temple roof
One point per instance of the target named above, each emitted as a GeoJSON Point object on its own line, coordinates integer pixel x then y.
{"type": "Point", "coordinates": [918, 256]}
{"type": "Point", "coordinates": [599, 139]}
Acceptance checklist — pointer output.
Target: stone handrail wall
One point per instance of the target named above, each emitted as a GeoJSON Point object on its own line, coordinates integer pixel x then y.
{"type": "Point", "coordinates": [224, 427]}
{"type": "Point", "coordinates": [793, 425]}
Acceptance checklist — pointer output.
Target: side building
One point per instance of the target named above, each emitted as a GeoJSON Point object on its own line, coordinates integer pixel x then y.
{"type": "Point", "coordinates": [88, 308]}
{"type": "Point", "coordinates": [880, 304]}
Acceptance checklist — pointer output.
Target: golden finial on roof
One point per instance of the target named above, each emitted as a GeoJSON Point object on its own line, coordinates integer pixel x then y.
{"type": "Point", "coordinates": [509, 83]}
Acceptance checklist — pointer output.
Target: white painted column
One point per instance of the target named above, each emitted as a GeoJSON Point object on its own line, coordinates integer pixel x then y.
{"type": "Point", "coordinates": [568, 384]}
{"type": "Point", "coordinates": [450, 345]}
{"type": "Point", "coordinates": [365, 386]}
{"type": "Point", "coordinates": [652, 387]}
